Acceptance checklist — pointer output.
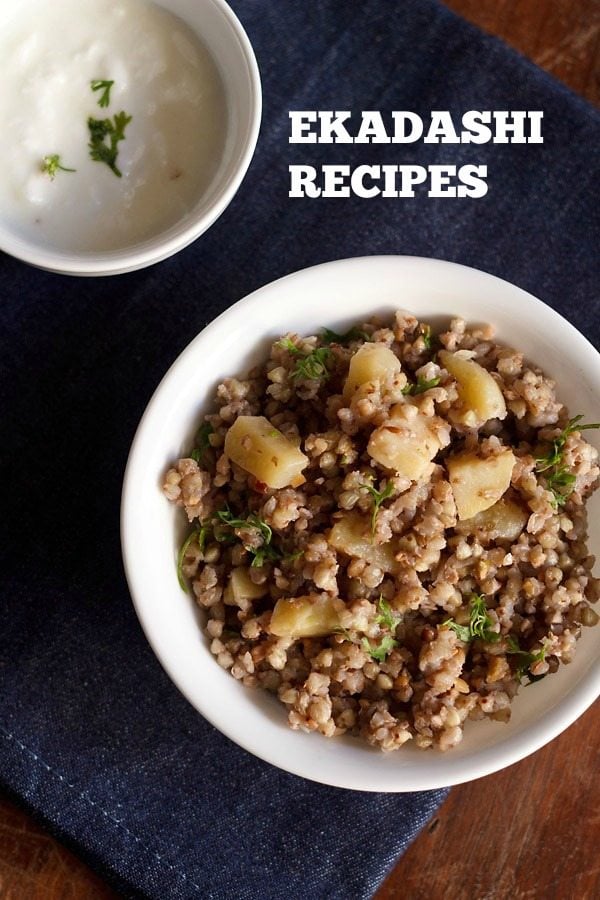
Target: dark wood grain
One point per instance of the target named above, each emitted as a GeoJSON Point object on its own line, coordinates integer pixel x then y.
{"type": "Point", "coordinates": [561, 36]}
{"type": "Point", "coordinates": [528, 833]}
{"type": "Point", "coordinates": [33, 866]}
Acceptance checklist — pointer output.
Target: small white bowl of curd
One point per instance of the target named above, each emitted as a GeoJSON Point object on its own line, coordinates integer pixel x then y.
{"type": "Point", "coordinates": [129, 127]}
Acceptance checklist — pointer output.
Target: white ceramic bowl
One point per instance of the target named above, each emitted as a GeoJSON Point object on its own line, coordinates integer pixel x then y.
{"type": "Point", "coordinates": [222, 34]}
{"type": "Point", "coordinates": [338, 294]}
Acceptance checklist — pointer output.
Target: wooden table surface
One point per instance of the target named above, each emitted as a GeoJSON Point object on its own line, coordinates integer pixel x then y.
{"type": "Point", "coordinates": [528, 833]}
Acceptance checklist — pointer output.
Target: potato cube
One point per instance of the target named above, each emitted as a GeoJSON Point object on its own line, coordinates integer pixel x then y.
{"type": "Point", "coordinates": [241, 587]}
{"type": "Point", "coordinates": [371, 362]}
{"type": "Point", "coordinates": [352, 535]}
{"type": "Point", "coordinates": [480, 395]}
{"type": "Point", "coordinates": [260, 449]}
{"type": "Point", "coordinates": [505, 520]}
{"type": "Point", "coordinates": [478, 483]}
{"type": "Point", "coordinates": [407, 442]}
{"type": "Point", "coordinates": [313, 615]}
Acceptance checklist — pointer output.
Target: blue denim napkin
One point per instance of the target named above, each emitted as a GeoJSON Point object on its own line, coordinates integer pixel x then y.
{"type": "Point", "coordinates": [94, 737]}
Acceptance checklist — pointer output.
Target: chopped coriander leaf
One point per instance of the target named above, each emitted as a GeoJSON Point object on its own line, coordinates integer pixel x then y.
{"type": "Point", "coordinates": [344, 632]}
{"type": "Point", "coordinates": [223, 536]}
{"type": "Point", "coordinates": [252, 521]}
{"type": "Point", "coordinates": [427, 336]}
{"type": "Point", "coordinates": [527, 659]}
{"type": "Point", "coordinates": [379, 651]}
{"type": "Point", "coordinates": [554, 456]}
{"type": "Point", "coordinates": [354, 334]}
{"type": "Point", "coordinates": [378, 498]}
{"type": "Point", "coordinates": [104, 86]}
{"type": "Point", "coordinates": [421, 385]}
{"type": "Point", "coordinates": [288, 344]}
{"type": "Point", "coordinates": [311, 365]}
{"type": "Point", "coordinates": [52, 164]}
{"type": "Point", "coordinates": [314, 366]}
{"type": "Point", "coordinates": [199, 534]}
{"type": "Point", "coordinates": [259, 554]}
{"type": "Point", "coordinates": [463, 632]}
{"type": "Point", "coordinates": [262, 554]}
{"type": "Point", "coordinates": [512, 645]}
{"type": "Point", "coordinates": [202, 442]}
{"type": "Point", "coordinates": [480, 623]}
{"type": "Point", "coordinates": [114, 130]}
{"type": "Point", "coordinates": [559, 481]}
{"type": "Point", "coordinates": [203, 434]}
{"type": "Point", "coordinates": [290, 557]}
{"type": "Point", "coordinates": [387, 617]}
{"type": "Point", "coordinates": [575, 424]}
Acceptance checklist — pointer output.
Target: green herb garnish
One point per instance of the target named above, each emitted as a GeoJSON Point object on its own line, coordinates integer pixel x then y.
{"type": "Point", "coordinates": [387, 617]}
{"type": "Point", "coordinates": [262, 554]}
{"type": "Point", "coordinates": [104, 86]}
{"type": "Point", "coordinates": [291, 557]}
{"type": "Point", "coordinates": [287, 343]}
{"type": "Point", "coordinates": [559, 480]}
{"type": "Point", "coordinates": [527, 658]}
{"type": "Point", "coordinates": [313, 365]}
{"type": "Point", "coordinates": [259, 554]}
{"type": "Point", "coordinates": [52, 164]}
{"type": "Point", "coordinates": [198, 534]}
{"type": "Point", "coordinates": [381, 650]}
{"type": "Point", "coordinates": [463, 632]}
{"type": "Point", "coordinates": [252, 521]}
{"type": "Point", "coordinates": [421, 385]}
{"type": "Point", "coordinates": [344, 632]}
{"type": "Point", "coordinates": [354, 334]}
{"type": "Point", "coordinates": [113, 130]}
{"type": "Point", "coordinates": [554, 456]}
{"type": "Point", "coordinates": [480, 623]}
{"type": "Point", "coordinates": [202, 442]}
{"type": "Point", "coordinates": [378, 498]}
{"type": "Point", "coordinates": [427, 336]}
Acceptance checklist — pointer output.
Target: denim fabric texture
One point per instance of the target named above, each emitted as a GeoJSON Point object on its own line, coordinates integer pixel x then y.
{"type": "Point", "coordinates": [95, 739]}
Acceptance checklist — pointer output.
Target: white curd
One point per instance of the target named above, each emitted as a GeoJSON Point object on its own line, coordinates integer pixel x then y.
{"type": "Point", "coordinates": [163, 78]}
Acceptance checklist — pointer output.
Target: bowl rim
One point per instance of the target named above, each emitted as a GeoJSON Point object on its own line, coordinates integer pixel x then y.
{"type": "Point", "coordinates": [155, 249]}
{"type": "Point", "coordinates": [484, 761]}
